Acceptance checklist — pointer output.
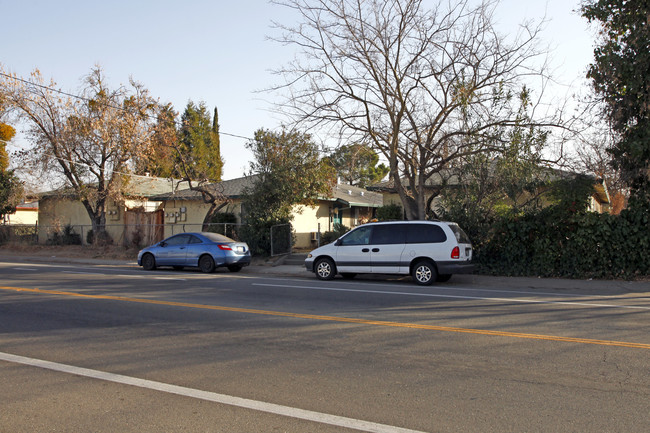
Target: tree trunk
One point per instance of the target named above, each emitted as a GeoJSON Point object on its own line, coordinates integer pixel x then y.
{"type": "Point", "coordinates": [214, 208]}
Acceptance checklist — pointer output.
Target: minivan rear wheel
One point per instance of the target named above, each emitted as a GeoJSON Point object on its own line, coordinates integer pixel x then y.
{"type": "Point", "coordinates": [325, 269]}
{"type": "Point", "coordinates": [424, 273]}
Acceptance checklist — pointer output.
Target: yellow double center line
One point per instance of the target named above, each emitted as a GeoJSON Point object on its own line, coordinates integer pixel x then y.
{"type": "Point", "coordinates": [338, 319]}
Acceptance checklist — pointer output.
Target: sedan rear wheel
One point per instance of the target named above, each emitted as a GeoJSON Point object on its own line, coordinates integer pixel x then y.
{"type": "Point", "coordinates": [149, 262]}
{"type": "Point", "coordinates": [325, 269]}
{"type": "Point", "coordinates": [424, 273]}
{"type": "Point", "coordinates": [206, 264]}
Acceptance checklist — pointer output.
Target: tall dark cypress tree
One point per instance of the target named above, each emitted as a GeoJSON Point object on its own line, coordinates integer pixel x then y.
{"type": "Point", "coordinates": [216, 143]}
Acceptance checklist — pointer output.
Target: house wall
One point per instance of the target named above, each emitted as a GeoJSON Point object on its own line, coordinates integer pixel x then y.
{"type": "Point", "coordinates": [187, 215]}
{"type": "Point", "coordinates": [308, 220]}
{"type": "Point", "coordinates": [22, 216]}
{"type": "Point", "coordinates": [305, 223]}
{"type": "Point", "coordinates": [54, 213]}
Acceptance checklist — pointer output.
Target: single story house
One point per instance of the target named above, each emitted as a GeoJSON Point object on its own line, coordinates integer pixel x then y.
{"type": "Point", "coordinates": [599, 201]}
{"type": "Point", "coordinates": [184, 209]}
{"type": "Point", "coordinates": [135, 220]}
{"type": "Point", "coordinates": [26, 213]}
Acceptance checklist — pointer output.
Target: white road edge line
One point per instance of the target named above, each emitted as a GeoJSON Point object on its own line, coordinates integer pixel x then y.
{"type": "Point", "coordinates": [435, 295]}
{"type": "Point", "coordinates": [308, 415]}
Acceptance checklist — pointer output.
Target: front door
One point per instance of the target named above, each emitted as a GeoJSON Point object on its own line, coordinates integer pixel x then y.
{"type": "Point", "coordinates": [337, 215]}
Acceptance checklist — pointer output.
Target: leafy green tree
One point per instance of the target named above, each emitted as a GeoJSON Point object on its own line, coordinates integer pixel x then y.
{"type": "Point", "coordinates": [7, 132]}
{"type": "Point", "coordinates": [357, 165]}
{"type": "Point", "coordinates": [198, 157]}
{"type": "Point", "coordinates": [199, 151]}
{"type": "Point", "coordinates": [620, 75]}
{"type": "Point", "coordinates": [11, 192]}
{"type": "Point", "coordinates": [288, 172]}
{"type": "Point", "coordinates": [11, 189]}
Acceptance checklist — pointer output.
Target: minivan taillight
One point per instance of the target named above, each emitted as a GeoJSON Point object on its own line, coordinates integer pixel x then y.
{"type": "Point", "coordinates": [455, 253]}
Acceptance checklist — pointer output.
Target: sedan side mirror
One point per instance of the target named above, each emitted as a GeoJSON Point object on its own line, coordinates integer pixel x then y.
{"type": "Point", "coordinates": [163, 244]}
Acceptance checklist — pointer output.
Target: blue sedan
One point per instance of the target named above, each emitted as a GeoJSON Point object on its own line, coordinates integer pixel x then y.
{"type": "Point", "coordinates": [205, 250]}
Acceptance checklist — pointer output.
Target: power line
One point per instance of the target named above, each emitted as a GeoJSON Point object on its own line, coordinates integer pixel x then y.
{"type": "Point", "coordinates": [71, 95]}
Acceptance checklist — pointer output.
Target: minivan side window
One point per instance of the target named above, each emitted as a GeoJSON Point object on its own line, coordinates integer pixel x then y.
{"type": "Point", "coordinates": [424, 233]}
{"type": "Point", "coordinates": [388, 234]}
{"type": "Point", "coordinates": [359, 236]}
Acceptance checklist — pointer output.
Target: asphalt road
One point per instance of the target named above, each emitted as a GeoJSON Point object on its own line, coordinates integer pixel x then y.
{"type": "Point", "coordinates": [114, 348]}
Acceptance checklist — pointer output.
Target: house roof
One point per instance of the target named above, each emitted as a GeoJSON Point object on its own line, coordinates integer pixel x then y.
{"type": "Point", "coordinates": [351, 195]}
{"type": "Point", "coordinates": [27, 206]}
{"type": "Point", "coordinates": [137, 186]}
{"type": "Point", "coordinates": [233, 188]}
{"type": "Point", "coordinates": [436, 181]}
{"type": "Point", "coordinates": [347, 194]}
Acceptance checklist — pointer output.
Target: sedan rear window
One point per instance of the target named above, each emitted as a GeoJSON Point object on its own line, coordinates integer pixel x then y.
{"type": "Point", "coordinates": [216, 237]}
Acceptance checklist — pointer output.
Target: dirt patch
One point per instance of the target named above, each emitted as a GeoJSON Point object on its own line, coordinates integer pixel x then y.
{"type": "Point", "coordinates": [109, 252]}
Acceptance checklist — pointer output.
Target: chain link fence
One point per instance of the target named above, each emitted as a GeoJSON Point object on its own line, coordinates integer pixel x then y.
{"type": "Point", "coordinates": [134, 235]}
{"type": "Point", "coordinates": [281, 239]}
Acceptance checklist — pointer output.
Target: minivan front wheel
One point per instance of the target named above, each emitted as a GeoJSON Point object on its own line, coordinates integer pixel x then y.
{"type": "Point", "coordinates": [325, 269]}
{"type": "Point", "coordinates": [424, 273]}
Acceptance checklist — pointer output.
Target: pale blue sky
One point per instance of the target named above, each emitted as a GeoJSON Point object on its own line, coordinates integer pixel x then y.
{"type": "Point", "coordinates": [214, 51]}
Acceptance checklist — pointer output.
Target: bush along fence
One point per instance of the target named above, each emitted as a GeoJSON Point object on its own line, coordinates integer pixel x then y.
{"type": "Point", "coordinates": [552, 243]}
{"type": "Point", "coordinates": [278, 241]}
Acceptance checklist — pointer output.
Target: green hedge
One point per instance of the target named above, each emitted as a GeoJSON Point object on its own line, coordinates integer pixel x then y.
{"type": "Point", "coordinates": [554, 243]}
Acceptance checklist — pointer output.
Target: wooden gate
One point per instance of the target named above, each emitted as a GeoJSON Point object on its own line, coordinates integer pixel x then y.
{"type": "Point", "coordinates": [143, 228]}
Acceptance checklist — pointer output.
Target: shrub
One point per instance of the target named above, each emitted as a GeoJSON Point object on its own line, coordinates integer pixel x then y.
{"type": "Point", "coordinates": [65, 237]}
{"type": "Point", "coordinates": [390, 212]}
{"type": "Point", "coordinates": [332, 235]}
{"type": "Point", "coordinates": [224, 223]}
{"type": "Point", "coordinates": [562, 240]}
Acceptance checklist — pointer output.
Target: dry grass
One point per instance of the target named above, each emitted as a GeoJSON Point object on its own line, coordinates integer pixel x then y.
{"type": "Point", "coordinates": [109, 252]}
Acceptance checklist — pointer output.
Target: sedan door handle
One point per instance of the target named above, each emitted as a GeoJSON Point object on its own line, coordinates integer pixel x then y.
{"type": "Point", "coordinates": [375, 250]}
{"type": "Point", "coordinates": [365, 250]}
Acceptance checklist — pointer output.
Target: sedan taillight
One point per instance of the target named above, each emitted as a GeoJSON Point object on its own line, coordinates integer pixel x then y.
{"type": "Point", "coordinates": [225, 247]}
{"type": "Point", "coordinates": [455, 253]}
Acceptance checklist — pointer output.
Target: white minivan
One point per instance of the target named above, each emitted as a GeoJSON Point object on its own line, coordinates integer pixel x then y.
{"type": "Point", "coordinates": [427, 250]}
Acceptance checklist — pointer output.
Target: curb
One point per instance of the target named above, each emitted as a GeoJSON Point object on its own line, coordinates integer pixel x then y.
{"type": "Point", "coordinates": [277, 268]}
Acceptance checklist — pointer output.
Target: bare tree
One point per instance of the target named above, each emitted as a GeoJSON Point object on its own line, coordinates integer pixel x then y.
{"type": "Point", "coordinates": [89, 140]}
{"type": "Point", "coordinates": [424, 87]}
{"type": "Point", "coordinates": [593, 156]}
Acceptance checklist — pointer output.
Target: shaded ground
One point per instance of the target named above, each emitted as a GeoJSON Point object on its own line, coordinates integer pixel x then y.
{"type": "Point", "coordinates": [108, 252]}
